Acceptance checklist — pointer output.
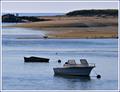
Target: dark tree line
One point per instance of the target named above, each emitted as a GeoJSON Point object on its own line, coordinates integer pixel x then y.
{"type": "Point", "coordinates": [10, 18]}
{"type": "Point", "coordinates": [107, 12]}
{"type": "Point", "coordinates": [16, 18]}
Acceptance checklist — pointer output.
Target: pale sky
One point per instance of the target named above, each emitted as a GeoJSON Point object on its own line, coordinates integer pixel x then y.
{"type": "Point", "coordinates": [60, 0]}
{"type": "Point", "coordinates": [54, 7]}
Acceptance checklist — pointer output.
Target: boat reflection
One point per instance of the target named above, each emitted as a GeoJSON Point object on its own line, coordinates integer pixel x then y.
{"type": "Point", "coordinates": [79, 78]}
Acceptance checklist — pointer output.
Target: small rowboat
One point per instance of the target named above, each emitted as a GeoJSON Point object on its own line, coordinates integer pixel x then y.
{"type": "Point", "coordinates": [36, 59]}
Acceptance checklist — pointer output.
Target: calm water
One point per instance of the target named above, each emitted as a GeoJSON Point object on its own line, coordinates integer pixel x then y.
{"type": "Point", "coordinates": [39, 14]}
{"type": "Point", "coordinates": [40, 76]}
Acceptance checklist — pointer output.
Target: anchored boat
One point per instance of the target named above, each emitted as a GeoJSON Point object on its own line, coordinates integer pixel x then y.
{"type": "Point", "coordinates": [36, 59]}
{"type": "Point", "coordinates": [71, 68]}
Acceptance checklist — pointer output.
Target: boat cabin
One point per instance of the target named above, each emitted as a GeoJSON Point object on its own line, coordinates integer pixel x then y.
{"type": "Point", "coordinates": [84, 62]}
{"type": "Point", "coordinates": [72, 63]}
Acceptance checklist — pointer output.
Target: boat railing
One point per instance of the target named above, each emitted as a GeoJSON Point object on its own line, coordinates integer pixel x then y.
{"type": "Point", "coordinates": [91, 64]}
{"type": "Point", "coordinates": [79, 65]}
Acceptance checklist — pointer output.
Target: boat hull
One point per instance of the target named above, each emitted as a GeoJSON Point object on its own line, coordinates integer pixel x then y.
{"type": "Point", "coordinates": [74, 71]}
{"type": "Point", "coordinates": [35, 59]}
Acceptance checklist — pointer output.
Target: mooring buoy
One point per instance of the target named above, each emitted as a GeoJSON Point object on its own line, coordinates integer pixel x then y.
{"type": "Point", "coordinates": [59, 61]}
{"type": "Point", "coordinates": [98, 76]}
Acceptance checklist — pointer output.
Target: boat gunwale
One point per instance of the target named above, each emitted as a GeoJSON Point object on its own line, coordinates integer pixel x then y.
{"type": "Point", "coordinates": [74, 67]}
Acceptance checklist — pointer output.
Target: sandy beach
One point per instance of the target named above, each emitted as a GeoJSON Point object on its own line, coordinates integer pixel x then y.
{"type": "Point", "coordinates": [76, 27]}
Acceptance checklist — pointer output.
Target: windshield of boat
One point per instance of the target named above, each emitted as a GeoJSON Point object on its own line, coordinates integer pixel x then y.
{"type": "Point", "coordinates": [71, 62]}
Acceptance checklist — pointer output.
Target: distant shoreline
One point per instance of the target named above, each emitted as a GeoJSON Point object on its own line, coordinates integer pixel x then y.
{"type": "Point", "coordinates": [66, 38]}
{"type": "Point", "coordinates": [75, 27]}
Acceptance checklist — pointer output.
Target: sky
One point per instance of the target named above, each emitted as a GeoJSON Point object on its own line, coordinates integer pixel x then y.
{"type": "Point", "coordinates": [60, 0]}
{"type": "Point", "coordinates": [54, 7]}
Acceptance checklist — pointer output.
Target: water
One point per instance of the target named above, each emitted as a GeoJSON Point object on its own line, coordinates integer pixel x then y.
{"type": "Point", "coordinates": [18, 75]}
{"type": "Point", "coordinates": [39, 14]}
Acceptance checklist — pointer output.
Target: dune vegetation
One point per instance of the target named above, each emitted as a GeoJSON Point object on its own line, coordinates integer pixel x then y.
{"type": "Point", "coordinates": [100, 25]}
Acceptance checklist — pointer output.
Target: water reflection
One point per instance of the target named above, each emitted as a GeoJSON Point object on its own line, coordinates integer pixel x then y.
{"type": "Point", "coordinates": [80, 78]}
{"type": "Point", "coordinates": [83, 81]}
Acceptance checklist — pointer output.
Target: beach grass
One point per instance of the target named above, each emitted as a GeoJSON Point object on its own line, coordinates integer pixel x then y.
{"type": "Point", "coordinates": [76, 27]}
